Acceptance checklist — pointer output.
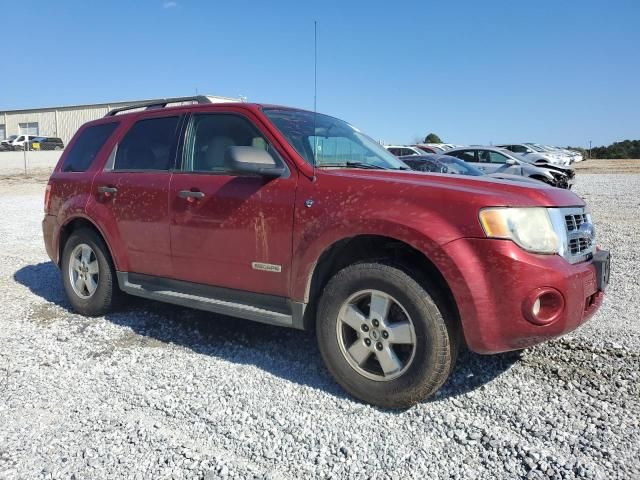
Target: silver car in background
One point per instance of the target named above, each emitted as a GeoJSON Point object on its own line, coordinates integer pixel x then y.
{"type": "Point", "coordinates": [499, 160]}
{"type": "Point", "coordinates": [535, 155]}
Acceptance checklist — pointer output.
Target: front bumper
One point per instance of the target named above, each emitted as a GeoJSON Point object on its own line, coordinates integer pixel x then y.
{"type": "Point", "coordinates": [494, 279]}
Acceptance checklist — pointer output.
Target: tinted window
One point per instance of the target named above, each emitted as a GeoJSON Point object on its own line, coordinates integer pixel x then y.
{"type": "Point", "coordinates": [424, 165]}
{"type": "Point", "coordinates": [466, 155]}
{"type": "Point", "coordinates": [149, 145]}
{"type": "Point", "coordinates": [87, 146]}
{"type": "Point", "coordinates": [518, 149]}
{"type": "Point", "coordinates": [209, 137]}
{"type": "Point", "coordinates": [394, 151]}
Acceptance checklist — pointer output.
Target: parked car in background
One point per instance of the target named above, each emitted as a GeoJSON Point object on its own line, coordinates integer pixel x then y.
{"type": "Point", "coordinates": [435, 163]}
{"type": "Point", "coordinates": [428, 149]}
{"type": "Point", "coordinates": [297, 219]}
{"type": "Point", "coordinates": [498, 160]}
{"type": "Point", "coordinates": [19, 142]}
{"type": "Point", "coordinates": [561, 157]}
{"type": "Point", "coordinates": [536, 156]}
{"type": "Point", "coordinates": [6, 143]}
{"type": "Point", "coordinates": [403, 150]}
{"type": "Point", "coordinates": [574, 155]}
{"type": "Point", "coordinates": [46, 143]}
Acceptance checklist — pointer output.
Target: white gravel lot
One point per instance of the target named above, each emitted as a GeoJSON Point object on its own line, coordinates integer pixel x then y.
{"type": "Point", "coordinates": [155, 391]}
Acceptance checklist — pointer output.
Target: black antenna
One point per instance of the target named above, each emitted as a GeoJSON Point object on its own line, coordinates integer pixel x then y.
{"type": "Point", "coordinates": [315, 94]}
{"type": "Point", "coordinates": [315, 65]}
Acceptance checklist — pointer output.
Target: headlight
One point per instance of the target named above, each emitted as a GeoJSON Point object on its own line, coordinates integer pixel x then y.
{"type": "Point", "coordinates": [530, 228]}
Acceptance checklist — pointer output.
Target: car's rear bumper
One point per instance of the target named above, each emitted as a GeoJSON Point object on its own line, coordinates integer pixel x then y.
{"type": "Point", "coordinates": [49, 232]}
{"type": "Point", "coordinates": [495, 279]}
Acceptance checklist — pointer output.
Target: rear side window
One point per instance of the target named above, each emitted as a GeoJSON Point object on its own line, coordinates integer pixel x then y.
{"type": "Point", "coordinates": [466, 155]}
{"type": "Point", "coordinates": [87, 146]}
{"type": "Point", "coordinates": [149, 145]}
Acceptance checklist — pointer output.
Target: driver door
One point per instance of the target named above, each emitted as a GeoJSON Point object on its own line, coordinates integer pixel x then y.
{"type": "Point", "coordinates": [227, 230]}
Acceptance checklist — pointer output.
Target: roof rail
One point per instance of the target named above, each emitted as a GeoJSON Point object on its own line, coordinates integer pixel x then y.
{"type": "Point", "coordinates": [160, 103]}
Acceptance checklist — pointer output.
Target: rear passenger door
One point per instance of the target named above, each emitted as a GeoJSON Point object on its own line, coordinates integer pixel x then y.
{"type": "Point", "coordinates": [132, 192]}
{"type": "Point", "coordinates": [226, 230]}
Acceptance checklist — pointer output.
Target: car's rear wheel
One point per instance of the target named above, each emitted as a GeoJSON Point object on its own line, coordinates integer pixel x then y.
{"type": "Point", "coordinates": [88, 274]}
{"type": "Point", "coordinates": [383, 337]}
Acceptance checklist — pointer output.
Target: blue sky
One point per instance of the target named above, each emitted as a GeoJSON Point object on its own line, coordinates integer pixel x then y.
{"type": "Point", "coordinates": [558, 72]}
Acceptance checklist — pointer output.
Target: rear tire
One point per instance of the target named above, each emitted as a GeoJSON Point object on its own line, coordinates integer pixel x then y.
{"type": "Point", "coordinates": [361, 354]}
{"type": "Point", "coordinates": [88, 274]}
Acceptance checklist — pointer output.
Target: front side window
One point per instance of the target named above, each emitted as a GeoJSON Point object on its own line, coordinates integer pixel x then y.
{"type": "Point", "coordinates": [149, 145]}
{"type": "Point", "coordinates": [86, 147]}
{"type": "Point", "coordinates": [209, 136]}
{"type": "Point", "coordinates": [495, 157]}
{"type": "Point", "coordinates": [325, 141]}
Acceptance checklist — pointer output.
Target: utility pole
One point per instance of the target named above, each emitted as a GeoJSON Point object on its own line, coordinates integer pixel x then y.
{"type": "Point", "coordinates": [589, 149]}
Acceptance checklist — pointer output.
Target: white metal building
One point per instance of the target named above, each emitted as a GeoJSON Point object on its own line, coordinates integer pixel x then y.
{"type": "Point", "coordinates": [63, 121]}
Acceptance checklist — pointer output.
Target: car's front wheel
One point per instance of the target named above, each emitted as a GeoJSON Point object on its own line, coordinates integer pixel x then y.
{"type": "Point", "coordinates": [88, 274]}
{"type": "Point", "coordinates": [383, 337]}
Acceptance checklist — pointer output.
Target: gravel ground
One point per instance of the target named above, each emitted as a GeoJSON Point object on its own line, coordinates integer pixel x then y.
{"type": "Point", "coordinates": [155, 391]}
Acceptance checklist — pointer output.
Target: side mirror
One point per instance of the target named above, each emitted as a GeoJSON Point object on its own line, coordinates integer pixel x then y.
{"type": "Point", "coordinates": [510, 161]}
{"type": "Point", "coordinates": [252, 161]}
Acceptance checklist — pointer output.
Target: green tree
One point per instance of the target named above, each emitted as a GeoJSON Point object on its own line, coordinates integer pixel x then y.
{"type": "Point", "coordinates": [432, 138]}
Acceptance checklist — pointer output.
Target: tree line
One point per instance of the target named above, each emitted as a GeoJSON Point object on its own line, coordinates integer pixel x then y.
{"type": "Point", "coordinates": [624, 149]}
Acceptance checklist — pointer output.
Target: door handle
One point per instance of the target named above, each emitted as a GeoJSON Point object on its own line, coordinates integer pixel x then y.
{"type": "Point", "coordinates": [191, 195]}
{"type": "Point", "coordinates": [107, 191]}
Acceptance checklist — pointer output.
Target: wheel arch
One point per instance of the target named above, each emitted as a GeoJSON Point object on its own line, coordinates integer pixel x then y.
{"type": "Point", "coordinates": [75, 223]}
{"type": "Point", "coordinates": [369, 247]}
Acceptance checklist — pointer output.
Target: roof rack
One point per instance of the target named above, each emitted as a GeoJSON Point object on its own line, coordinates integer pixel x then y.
{"type": "Point", "coordinates": [160, 103]}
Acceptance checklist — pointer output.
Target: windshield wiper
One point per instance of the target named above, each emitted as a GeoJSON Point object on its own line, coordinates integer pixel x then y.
{"type": "Point", "coordinates": [367, 166]}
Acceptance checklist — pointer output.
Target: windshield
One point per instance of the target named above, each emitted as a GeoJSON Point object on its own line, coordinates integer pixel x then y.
{"type": "Point", "coordinates": [12, 137]}
{"type": "Point", "coordinates": [326, 141]}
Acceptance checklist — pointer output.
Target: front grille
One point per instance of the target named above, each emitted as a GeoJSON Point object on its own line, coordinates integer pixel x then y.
{"type": "Point", "coordinates": [580, 235]}
{"type": "Point", "coordinates": [578, 246]}
{"type": "Point", "coordinates": [573, 221]}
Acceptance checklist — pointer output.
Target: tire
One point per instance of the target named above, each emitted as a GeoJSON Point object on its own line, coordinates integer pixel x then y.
{"type": "Point", "coordinates": [435, 335]}
{"type": "Point", "coordinates": [106, 294]}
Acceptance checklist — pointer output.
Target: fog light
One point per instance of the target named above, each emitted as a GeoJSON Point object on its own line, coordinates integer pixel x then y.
{"type": "Point", "coordinates": [543, 306]}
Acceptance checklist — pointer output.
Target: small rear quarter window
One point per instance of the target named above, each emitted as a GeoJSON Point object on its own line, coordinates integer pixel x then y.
{"type": "Point", "coordinates": [86, 147]}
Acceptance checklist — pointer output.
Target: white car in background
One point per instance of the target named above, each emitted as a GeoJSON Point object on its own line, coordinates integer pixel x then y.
{"type": "Point", "coordinates": [575, 156]}
{"type": "Point", "coordinates": [18, 142]}
{"type": "Point", "coordinates": [403, 150]}
{"type": "Point", "coordinates": [536, 155]}
{"type": "Point", "coordinates": [562, 158]}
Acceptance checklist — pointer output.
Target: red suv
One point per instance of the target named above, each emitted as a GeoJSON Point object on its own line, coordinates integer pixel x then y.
{"type": "Point", "coordinates": [298, 219]}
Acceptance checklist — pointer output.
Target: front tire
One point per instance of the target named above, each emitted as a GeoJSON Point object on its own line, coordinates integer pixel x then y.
{"type": "Point", "coordinates": [88, 274]}
{"type": "Point", "coordinates": [382, 336]}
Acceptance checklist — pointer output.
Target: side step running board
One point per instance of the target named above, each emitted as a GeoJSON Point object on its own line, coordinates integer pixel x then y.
{"type": "Point", "coordinates": [222, 307]}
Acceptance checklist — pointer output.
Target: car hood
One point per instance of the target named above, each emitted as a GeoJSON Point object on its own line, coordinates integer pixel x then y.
{"type": "Point", "coordinates": [462, 190]}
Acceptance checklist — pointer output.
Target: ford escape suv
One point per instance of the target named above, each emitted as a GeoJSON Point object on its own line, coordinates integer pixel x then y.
{"type": "Point", "coordinates": [298, 219]}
